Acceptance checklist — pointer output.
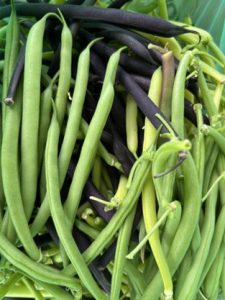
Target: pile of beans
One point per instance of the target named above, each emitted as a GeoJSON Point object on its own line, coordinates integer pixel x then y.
{"type": "Point", "coordinates": [112, 142]}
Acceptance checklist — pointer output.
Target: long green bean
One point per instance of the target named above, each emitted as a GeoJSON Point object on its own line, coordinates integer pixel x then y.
{"type": "Point", "coordinates": [61, 222]}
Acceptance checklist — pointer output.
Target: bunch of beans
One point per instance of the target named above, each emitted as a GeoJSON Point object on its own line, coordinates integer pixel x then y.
{"type": "Point", "coordinates": [112, 182]}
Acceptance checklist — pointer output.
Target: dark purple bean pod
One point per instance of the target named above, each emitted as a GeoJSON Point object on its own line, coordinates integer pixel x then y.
{"type": "Point", "coordinates": [15, 79]}
{"type": "Point", "coordinates": [97, 65]}
{"type": "Point", "coordinates": [102, 26]}
{"type": "Point", "coordinates": [142, 81]}
{"type": "Point", "coordinates": [138, 48]}
{"type": "Point", "coordinates": [145, 104]}
{"type": "Point", "coordinates": [146, 23]}
{"type": "Point", "coordinates": [121, 152]}
{"type": "Point", "coordinates": [131, 64]}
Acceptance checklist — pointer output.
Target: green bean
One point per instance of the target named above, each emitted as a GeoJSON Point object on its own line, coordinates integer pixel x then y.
{"type": "Point", "coordinates": [222, 279]}
{"type": "Point", "coordinates": [117, 220]}
{"type": "Point", "coordinates": [211, 71]}
{"type": "Point", "coordinates": [2, 62]}
{"type": "Point", "coordinates": [120, 256]}
{"type": "Point", "coordinates": [71, 132]}
{"type": "Point", "coordinates": [184, 269]}
{"type": "Point", "coordinates": [211, 283]}
{"type": "Point", "coordinates": [109, 158]}
{"type": "Point", "coordinates": [64, 72]}
{"type": "Point", "coordinates": [185, 231]}
{"type": "Point", "coordinates": [7, 226]}
{"type": "Point", "coordinates": [62, 224]}
{"type": "Point", "coordinates": [30, 114]}
{"type": "Point", "coordinates": [11, 52]}
{"type": "Point", "coordinates": [30, 286]}
{"type": "Point", "coordinates": [96, 172]}
{"type": "Point", "coordinates": [131, 124]}
{"type": "Point", "coordinates": [199, 145]}
{"type": "Point", "coordinates": [209, 164]}
{"type": "Point", "coordinates": [45, 118]}
{"type": "Point", "coordinates": [217, 240]}
{"type": "Point", "coordinates": [135, 277]}
{"type": "Point", "coordinates": [217, 97]}
{"type": "Point", "coordinates": [177, 113]}
{"type": "Point", "coordinates": [34, 269]}
{"type": "Point", "coordinates": [160, 159]}
{"type": "Point", "coordinates": [163, 13]}
{"type": "Point", "coordinates": [216, 135]}
{"type": "Point", "coordinates": [2, 197]}
{"type": "Point", "coordinates": [196, 241]}
{"type": "Point", "coordinates": [106, 178]}
{"type": "Point", "coordinates": [89, 231]}
{"type": "Point", "coordinates": [150, 218]}
{"type": "Point", "coordinates": [14, 278]}
{"type": "Point", "coordinates": [170, 228]}
{"type": "Point", "coordinates": [206, 96]}
{"type": "Point", "coordinates": [217, 52]}
{"type": "Point", "coordinates": [121, 191]}
{"type": "Point", "coordinates": [220, 170]}
{"type": "Point", "coordinates": [190, 286]}
{"type": "Point", "coordinates": [3, 31]}
{"type": "Point", "coordinates": [148, 193]}
{"type": "Point", "coordinates": [11, 177]}
{"type": "Point", "coordinates": [92, 138]}
{"type": "Point", "coordinates": [56, 292]}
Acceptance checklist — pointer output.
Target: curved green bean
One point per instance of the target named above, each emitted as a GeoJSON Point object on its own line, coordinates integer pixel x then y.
{"type": "Point", "coordinates": [185, 231]}
{"type": "Point", "coordinates": [60, 220]}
